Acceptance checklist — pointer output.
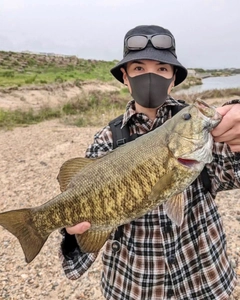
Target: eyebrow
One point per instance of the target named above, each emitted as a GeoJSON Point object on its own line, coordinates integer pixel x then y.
{"type": "Point", "coordinates": [141, 63]}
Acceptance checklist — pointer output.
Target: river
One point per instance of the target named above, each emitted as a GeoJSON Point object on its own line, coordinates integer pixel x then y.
{"type": "Point", "coordinates": [211, 83]}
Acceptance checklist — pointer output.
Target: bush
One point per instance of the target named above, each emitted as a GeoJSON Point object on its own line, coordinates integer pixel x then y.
{"type": "Point", "coordinates": [8, 74]}
{"type": "Point", "coordinates": [31, 79]}
{"type": "Point", "coordinates": [59, 79]}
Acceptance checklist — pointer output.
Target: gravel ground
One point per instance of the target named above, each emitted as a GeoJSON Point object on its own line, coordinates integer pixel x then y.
{"type": "Point", "coordinates": [30, 158]}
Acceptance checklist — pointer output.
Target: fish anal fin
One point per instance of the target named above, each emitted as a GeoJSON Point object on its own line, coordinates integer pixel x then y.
{"type": "Point", "coordinates": [69, 169]}
{"type": "Point", "coordinates": [18, 222]}
{"type": "Point", "coordinates": [92, 240]}
{"type": "Point", "coordinates": [174, 209]}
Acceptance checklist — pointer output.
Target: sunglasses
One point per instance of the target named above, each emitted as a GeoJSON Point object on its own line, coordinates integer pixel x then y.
{"type": "Point", "coordinates": [139, 42]}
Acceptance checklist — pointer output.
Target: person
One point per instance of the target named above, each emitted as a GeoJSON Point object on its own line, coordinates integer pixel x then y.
{"type": "Point", "coordinates": [153, 258]}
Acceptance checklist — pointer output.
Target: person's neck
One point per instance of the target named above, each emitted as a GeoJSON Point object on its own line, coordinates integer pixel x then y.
{"type": "Point", "coordinates": [150, 112]}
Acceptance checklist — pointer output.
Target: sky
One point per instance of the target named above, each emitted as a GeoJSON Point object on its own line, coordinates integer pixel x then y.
{"type": "Point", "coordinates": [207, 32]}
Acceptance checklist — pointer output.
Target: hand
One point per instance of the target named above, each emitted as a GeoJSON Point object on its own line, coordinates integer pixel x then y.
{"type": "Point", "coordinates": [79, 228]}
{"type": "Point", "coordinates": [228, 130]}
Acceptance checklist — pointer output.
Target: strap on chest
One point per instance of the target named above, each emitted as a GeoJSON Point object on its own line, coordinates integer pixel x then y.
{"type": "Point", "coordinates": [122, 135]}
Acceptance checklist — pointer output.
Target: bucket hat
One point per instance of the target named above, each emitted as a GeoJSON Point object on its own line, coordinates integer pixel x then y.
{"type": "Point", "coordinates": [166, 54]}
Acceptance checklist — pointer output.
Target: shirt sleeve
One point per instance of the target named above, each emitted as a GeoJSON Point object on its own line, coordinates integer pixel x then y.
{"type": "Point", "coordinates": [74, 262]}
{"type": "Point", "coordinates": [224, 169]}
{"type": "Point", "coordinates": [102, 143]}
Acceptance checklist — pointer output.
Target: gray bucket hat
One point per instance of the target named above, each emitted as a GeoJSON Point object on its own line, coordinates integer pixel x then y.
{"type": "Point", "coordinates": [167, 55]}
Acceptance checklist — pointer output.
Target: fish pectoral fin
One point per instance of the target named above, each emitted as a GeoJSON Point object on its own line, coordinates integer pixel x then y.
{"type": "Point", "coordinates": [174, 208]}
{"type": "Point", "coordinates": [92, 240]}
{"type": "Point", "coordinates": [70, 168]}
{"type": "Point", "coordinates": [19, 223]}
{"type": "Point", "coordinates": [163, 183]}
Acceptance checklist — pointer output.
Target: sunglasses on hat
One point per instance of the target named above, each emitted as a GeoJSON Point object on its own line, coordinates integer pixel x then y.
{"type": "Point", "coordinates": [139, 42]}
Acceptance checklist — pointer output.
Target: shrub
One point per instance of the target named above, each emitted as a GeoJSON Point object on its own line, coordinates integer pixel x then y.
{"type": "Point", "coordinates": [8, 74]}
{"type": "Point", "coordinates": [31, 79]}
{"type": "Point", "coordinates": [59, 79]}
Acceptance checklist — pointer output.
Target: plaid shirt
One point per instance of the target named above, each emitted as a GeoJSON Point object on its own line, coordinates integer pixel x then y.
{"type": "Point", "coordinates": [157, 259]}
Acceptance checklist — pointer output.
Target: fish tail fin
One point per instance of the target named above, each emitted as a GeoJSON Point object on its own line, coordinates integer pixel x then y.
{"type": "Point", "coordinates": [19, 223]}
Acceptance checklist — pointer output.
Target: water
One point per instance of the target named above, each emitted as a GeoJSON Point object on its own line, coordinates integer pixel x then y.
{"type": "Point", "coordinates": [212, 83]}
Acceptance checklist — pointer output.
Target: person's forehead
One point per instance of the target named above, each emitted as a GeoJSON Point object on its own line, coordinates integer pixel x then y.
{"type": "Point", "coordinates": [146, 62]}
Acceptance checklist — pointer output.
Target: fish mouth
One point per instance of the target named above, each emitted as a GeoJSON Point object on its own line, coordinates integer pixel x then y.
{"type": "Point", "coordinates": [209, 114]}
{"type": "Point", "coordinates": [189, 163]}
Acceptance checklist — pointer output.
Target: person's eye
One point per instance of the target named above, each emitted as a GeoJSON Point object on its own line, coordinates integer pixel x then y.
{"type": "Point", "coordinates": [138, 68]}
{"type": "Point", "coordinates": [163, 69]}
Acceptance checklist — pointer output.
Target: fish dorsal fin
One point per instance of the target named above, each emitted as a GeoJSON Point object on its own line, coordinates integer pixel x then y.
{"type": "Point", "coordinates": [69, 169]}
{"type": "Point", "coordinates": [92, 240]}
{"type": "Point", "coordinates": [174, 209]}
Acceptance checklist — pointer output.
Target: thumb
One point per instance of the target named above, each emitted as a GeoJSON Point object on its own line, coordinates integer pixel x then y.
{"type": "Point", "coordinates": [224, 109]}
{"type": "Point", "coordinates": [79, 228]}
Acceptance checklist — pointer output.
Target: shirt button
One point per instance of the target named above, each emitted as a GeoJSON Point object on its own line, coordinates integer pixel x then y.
{"type": "Point", "coordinates": [171, 259]}
{"type": "Point", "coordinates": [116, 246]}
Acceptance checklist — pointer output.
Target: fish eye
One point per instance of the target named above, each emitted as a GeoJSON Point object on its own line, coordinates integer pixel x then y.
{"type": "Point", "coordinates": [187, 117]}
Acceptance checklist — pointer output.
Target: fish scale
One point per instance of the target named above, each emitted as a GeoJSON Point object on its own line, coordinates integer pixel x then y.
{"type": "Point", "coordinates": [123, 185]}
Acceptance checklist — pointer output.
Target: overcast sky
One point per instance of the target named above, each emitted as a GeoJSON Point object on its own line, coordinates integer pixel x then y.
{"type": "Point", "coordinates": [207, 32]}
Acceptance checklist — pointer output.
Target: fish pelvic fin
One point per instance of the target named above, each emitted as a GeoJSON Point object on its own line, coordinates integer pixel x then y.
{"type": "Point", "coordinates": [19, 223]}
{"type": "Point", "coordinates": [69, 169]}
{"type": "Point", "coordinates": [92, 240]}
{"type": "Point", "coordinates": [174, 209]}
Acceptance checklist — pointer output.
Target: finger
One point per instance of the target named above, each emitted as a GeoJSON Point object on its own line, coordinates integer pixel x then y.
{"type": "Point", "coordinates": [227, 137]}
{"type": "Point", "coordinates": [79, 228]}
{"type": "Point", "coordinates": [226, 123]}
{"type": "Point", "coordinates": [235, 148]}
{"type": "Point", "coordinates": [234, 144]}
{"type": "Point", "coordinates": [224, 109]}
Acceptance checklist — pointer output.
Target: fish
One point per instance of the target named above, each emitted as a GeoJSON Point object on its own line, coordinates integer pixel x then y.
{"type": "Point", "coordinates": [122, 185]}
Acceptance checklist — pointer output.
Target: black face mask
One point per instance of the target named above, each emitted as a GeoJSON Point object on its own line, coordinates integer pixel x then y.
{"type": "Point", "coordinates": [149, 90]}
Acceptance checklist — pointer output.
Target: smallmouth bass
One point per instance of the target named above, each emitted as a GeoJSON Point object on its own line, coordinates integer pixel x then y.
{"type": "Point", "coordinates": [123, 185]}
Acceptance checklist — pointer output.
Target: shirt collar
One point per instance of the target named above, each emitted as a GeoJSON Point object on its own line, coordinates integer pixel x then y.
{"type": "Point", "coordinates": [131, 110]}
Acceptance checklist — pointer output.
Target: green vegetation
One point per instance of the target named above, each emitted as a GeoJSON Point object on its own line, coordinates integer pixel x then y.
{"type": "Point", "coordinates": [219, 94]}
{"type": "Point", "coordinates": [19, 69]}
{"type": "Point", "coordinates": [86, 110]}
{"type": "Point", "coordinates": [212, 94]}
{"type": "Point", "coordinates": [216, 72]}
{"type": "Point", "coordinates": [92, 109]}
{"type": "Point", "coordinates": [190, 81]}
{"type": "Point", "coordinates": [9, 119]}
{"type": "Point", "coordinates": [95, 109]}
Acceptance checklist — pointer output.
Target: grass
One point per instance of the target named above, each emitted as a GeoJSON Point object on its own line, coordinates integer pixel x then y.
{"type": "Point", "coordinates": [10, 119]}
{"type": "Point", "coordinates": [212, 94]}
{"type": "Point", "coordinates": [19, 69]}
{"type": "Point", "coordinates": [92, 109]}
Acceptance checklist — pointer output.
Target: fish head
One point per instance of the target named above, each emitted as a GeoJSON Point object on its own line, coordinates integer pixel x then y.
{"type": "Point", "coordinates": [190, 140]}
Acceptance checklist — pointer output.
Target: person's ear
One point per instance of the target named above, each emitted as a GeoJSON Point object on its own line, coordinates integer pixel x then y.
{"type": "Point", "coordinates": [125, 80]}
{"type": "Point", "coordinates": [172, 84]}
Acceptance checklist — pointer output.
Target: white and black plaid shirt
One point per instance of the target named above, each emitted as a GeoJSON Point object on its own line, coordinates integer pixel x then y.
{"type": "Point", "coordinates": [157, 259]}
